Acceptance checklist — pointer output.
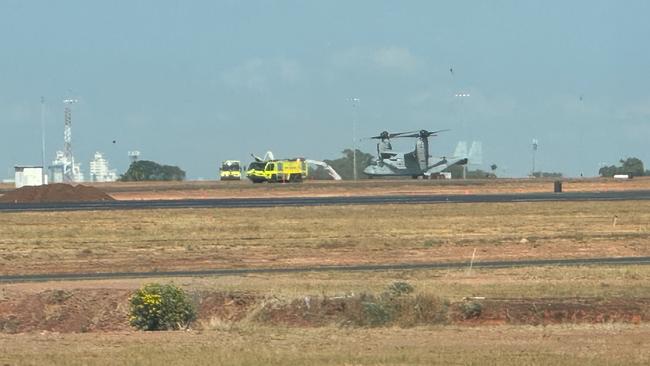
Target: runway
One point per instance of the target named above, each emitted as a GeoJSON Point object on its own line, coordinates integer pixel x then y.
{"type": "Point", "coordinates": [327, 201]}
{"type": "Point", "coordinates": [620, 261]}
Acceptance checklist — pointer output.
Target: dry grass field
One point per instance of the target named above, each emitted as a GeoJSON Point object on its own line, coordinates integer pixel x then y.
{"type": "Point", "coordinates": [217, 189]}
{"type": "Point", "coordinates": [260, 345]}
{"type": "Point", "coordinates": [585, 315]}
{"type": "Point", "coordinates": [365, 187]}
{"type": "Point", "coordinates": [42, 242]}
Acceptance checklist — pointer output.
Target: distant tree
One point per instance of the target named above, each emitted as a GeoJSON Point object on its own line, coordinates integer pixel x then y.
{"type": "Point", "coordinates": [457, 173]}
{"type": "Point", "coordinates": [480, 174]}
{"type": "Point", "coordinates": [633, 166]}
{"type": "Point", "coordinates": [144, 170]}
{"type": "Point", "coordinates": [493, 168]}
{"type": "Point", "coordinates": [547, 175]}
{"type": "Point", "coordinates": [344, 166]}
{"type": "Point", "coordinates": [170, 172]}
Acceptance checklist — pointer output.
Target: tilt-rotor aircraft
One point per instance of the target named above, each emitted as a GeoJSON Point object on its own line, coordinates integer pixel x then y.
{"type": "Point", "coordinates": [417, 163]}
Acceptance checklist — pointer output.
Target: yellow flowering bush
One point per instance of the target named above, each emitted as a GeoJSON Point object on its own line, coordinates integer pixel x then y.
{"type": "Point", "coordinates": [160, 307]}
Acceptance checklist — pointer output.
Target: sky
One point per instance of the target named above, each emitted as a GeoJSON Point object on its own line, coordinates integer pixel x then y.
{"type": "Point", "coordinates": [192, 83]}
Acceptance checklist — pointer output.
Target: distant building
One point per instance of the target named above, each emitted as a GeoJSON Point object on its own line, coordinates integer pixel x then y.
{"type": "Point", "coordinates": [55, 172]}
{"type": "Point", "coordinates": [62, 165]}
{"type": "Point", "coordinates": [28, 175]}
{"type": "Point", "coordinates": [99, 170]}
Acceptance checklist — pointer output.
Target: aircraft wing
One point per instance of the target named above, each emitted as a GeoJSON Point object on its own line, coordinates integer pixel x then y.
{"type": "Point", "coordinates": [444, 164]}
{"type": "Point", "coordinates": [327, 167]}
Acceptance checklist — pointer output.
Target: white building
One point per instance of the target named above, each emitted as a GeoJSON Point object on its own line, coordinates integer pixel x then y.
{"type": "Point", "coordinates": [99, 170]}
{"type": "Point", "coordinates": [61, 165]}
{"type": "Point", "coordinates": [55, 172]}
{"type": "Point", "coordinates": [27, 175]}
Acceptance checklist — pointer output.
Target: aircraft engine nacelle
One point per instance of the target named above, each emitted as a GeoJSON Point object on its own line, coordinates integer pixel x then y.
{"type": "Point", "coordinates": [422, 153]}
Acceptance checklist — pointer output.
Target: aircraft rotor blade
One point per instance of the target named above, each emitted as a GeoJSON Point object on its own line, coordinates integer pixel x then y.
{"type": "Point", "coordinates": [437, 132]}
{"type": "Point", "coordinates": [410, 135]}
{"type": "Point", "coordinates": [388, 135]}
{"type": "Point", "coordinates": [423, 133]}
{"type": "Point", "coordinates": [399, 134]}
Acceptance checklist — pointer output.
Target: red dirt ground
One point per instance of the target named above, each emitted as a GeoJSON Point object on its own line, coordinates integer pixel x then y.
{"type": "Point", "coordinates": [106, 309]}
{"type": "Point", "coordinates": [55, 193]}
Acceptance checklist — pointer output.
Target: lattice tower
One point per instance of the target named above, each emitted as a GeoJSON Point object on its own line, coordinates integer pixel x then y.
{"type": "Point", "coordinates": [68, 174]}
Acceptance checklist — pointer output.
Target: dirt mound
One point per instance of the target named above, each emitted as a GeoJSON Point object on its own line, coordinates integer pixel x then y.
{"type": "Point", "coordinates": [92, 310]}
{"type": "Point", "coordinates": [229, 306]}
{"type": "Point", "coordinates": [55, 193]}
{"type": "Point", "coordinates": [551, 311]}
{"type": "Point", "coordinates": [65, 311]}
{"type": "Point", "coordinates": [105, 309]}
{"type": "Point", "coordinates": [424, 310]}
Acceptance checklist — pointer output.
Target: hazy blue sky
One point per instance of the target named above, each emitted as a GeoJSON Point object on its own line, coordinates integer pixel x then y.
{"type": "Point", "coordinates": [191, 83]}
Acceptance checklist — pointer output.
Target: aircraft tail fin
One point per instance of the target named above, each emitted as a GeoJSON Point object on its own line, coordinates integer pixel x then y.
{"type": "Point", "coordinates": [475, 154]}
{"type": "Point", "coordinates": [461, 149]}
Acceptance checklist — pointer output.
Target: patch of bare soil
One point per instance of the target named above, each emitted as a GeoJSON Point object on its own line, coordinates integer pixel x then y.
{"type": "Point", "coordinates": [55, 193]}
{"type": "Point", "coordinates": [64, 311]}
{"type": "Point", "coordinates": [231, 306]}
{"type": "Point", "coordinates": [426, 310]}
{"type": "Point", "coordinates": [106, 309]}
{"type": "Point", "coordinates": [546, 311]}
{"type": "Point", "coordinates": [87, 310]}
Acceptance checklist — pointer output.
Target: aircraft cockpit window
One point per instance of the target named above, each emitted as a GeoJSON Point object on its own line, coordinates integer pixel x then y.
{"type": "Point", "coordinates": [256, 166]}
{"type": "Point", "coordinates": [230, 168]}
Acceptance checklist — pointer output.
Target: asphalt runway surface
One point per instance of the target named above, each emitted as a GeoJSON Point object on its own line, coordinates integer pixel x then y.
{"type": "Point", "coordinates": [621, 261]}
{"type": "Point", "coordinates": [327, 201]}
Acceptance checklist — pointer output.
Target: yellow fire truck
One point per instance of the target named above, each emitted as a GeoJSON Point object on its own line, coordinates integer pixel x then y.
{"type": "Point", "coordinates": [273, 171]}
{"type": "Point", "coordinates": [230, 170]}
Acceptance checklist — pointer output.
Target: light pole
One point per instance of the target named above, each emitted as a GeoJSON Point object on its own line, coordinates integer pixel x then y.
{"type": "Point", "coordinates": [535, 143]}
{"type": "Point", "coordinates": [355, 102]}
{"type": "Point", "coordinates": [43, 171]}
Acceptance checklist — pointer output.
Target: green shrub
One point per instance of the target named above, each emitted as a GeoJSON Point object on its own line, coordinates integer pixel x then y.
{"type": "Point", "coordinates": [400, 288]}
{"type": "Point", "coordinates": [472, 309]}
{"type": "Point", "coordinates": [376, 313]}
{"type": "Point", "coordinates": [422, 309]}
{"type": "Point", "coordinates": [160, 307]}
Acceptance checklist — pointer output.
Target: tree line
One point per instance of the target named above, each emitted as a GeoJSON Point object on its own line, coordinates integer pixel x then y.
{"type": "Point", "coordinates": [145, 170]}
{"type": "Point", "coordinates": [631, 166]}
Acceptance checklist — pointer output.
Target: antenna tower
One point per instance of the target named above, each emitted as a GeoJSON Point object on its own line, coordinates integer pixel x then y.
{"type": "Point", "coordinates": [43, 140]}
{"type": "Point", "coordinates": [68, 173]}
{"type": "Point", "coordinates": [535, 145]}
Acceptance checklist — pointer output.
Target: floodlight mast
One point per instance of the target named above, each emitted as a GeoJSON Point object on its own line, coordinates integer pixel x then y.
{"type": "Point", "coordinates": [535, 144]}
{"type": "Point", "coordinates": [43, 171]}
{"type": "Point", "coordinates": [355, 102]}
